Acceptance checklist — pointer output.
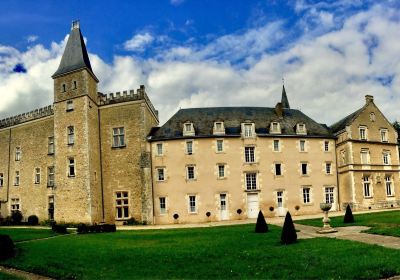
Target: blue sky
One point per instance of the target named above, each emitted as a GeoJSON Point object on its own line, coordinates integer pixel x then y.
{"type": "Point", "coordinates": [210, 53]}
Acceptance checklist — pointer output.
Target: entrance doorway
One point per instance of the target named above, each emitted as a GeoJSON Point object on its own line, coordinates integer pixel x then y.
{"type": "Point", "coordinates": [223, 207]}
{"type": "Point", "coordinates": [252, 205]}
{"type": "Point", "coordinates": [281, 211]}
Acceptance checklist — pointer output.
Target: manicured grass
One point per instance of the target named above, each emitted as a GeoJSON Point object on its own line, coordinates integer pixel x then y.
{"type": "Point", "coordinates": [23, 234]}
{"type": "Point", "coordinates": [385, 223]}
{"type": "Point", "coordinates": [206, 253]}
{"type": "Point", "coordinates": [5, 276]}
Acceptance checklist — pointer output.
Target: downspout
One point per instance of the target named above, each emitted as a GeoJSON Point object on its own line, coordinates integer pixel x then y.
{"type": "Point", "coordinates": [8, 169]}
{"type": "Point", "coordinates": [101, 169]}
{"type": "Point", "coordinates": [337, 178]}
{"type": "Point", "coordinates": [151, 180]}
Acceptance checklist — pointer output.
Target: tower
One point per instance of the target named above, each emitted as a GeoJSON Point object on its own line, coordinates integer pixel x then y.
{"type": "Point", "coordinates": [77, 172]}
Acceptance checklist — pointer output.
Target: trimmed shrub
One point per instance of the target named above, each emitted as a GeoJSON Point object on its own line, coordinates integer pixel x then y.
{"type": "Point", "coordinates": [82, 228]}
{"type": "Point", "coordinates": [59, 228]}
{"type": "Point", "coordinates": [261, 225]}
{"type": "Point", "coordinates": [108, 228]}
{"type": "Point", "coordinates": [16, 217]}
{"type": "Point", "coordinates": [33, 220]}
{"type": "Point", "coordinates": [6, 247]}
{"type": "Point", "coordinates": [289, 234]}
{"type": "Point", "coordinates": [348, 216]}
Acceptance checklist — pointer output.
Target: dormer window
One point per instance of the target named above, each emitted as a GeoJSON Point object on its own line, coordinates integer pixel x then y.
{"type": "Point", "coordinates": [63, 88]}
{"type": "Point", "coordinates": [188, 129]}
{"type": "Point", "coordinates": [219, 128]}
{"type": "Point", "coordinates": [301, 129]}
{"type": "Point", "coordinates": [275, 127]}
{"type": "Point", "coordinates": [248, 130]}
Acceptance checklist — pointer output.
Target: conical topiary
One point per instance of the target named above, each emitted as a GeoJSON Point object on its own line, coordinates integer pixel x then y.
{"type": "Point", "coordinates": [289, 234]}
{"type": "Point", "coordinates": [348, 217]}
{"type": "Point", "coordinates": [261, 225]}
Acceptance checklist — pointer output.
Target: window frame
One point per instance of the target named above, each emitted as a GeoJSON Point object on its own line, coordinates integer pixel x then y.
{"type": "Point", "coordinates": [389, 186]}
{"type": "Point", "coordinates": [276, 164]}
{"type": "Point", "coordinates": [302, 146]}
{"type": "Point", "coordinates": [71, 167]}
{"type": "Point", "coordinates": [276, 148]}
{"type": "Point", "coordinates": [118, 137]}
{"type": "Point", "coordinates": [221, 167]}
{"type": "Point", "coordinates": [15, 204]}
{"type": "Point", "coordinates": [17, 178]}
{"type": "Point", "coordinates": [192, 204]}
{"type": "Point", "coordinates": [329, 193]}
{"type": "Point", "coordinates": [275, 128]}
{"type": "Point", "coordinates": [160, 174]}
{"type": "Point", "coordinates": [304, 167]}
{"type": "Point", "coordinates": [249, 154]}
{"type": "Point", "coordinates": [251, 181]}
{"type": "Point", "coordinates": [384, 135]}
{"type": "Point", "coordinates": [248, 130]}
{"type": "Point", "coordinates": [363, 135]}
{"type": "Point", "coordinates": [189, 147]}
{"type": "Point", "coordinates": [386, 158]}
{"type": "Point", "coordinates": [367, 183]}
{"type": "Point", "coordinates": [219, 146]}
{"type": "Point", "coordinates": [124, 205]}
{"type": "Point", "coordinates": [37, 177]}
{"type": "Point", "coordinates": [190, 175]}
{"type": "Point", "coordinates": [18, 153]}
{"type": "Point", "coordinates": [326, 146]}
{"type": "Point", "coordinates": [50, 145]}
{"type": "Point", "coordinates": [367, 156]}
{"type": "Point", "coordinates": [306, 194]}
{"type": "Point", "coordinates": [50, 176]}
{"type": "Point", "coordinates": [1, 179]}
{"type": "Point", "coordinates": [70, 135]}
{"type": "Point", "coordinates": [160, 149]}
{"type": "Point", "coordinates": [69, 106]}
{"type": "Point", "coordinates": [328, 168]}
{"type": "Point", "coordinates": [163, 210]}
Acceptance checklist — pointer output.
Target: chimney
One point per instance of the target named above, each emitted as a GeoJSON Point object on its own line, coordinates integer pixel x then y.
{"type": "Point", "coordinates": [369, 99]}
{"type": "Point", "coordinates": [279, 109]}
{"type": "Point", "coordinates": [75, 24]}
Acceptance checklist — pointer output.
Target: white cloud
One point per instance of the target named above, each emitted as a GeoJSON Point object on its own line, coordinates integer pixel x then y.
{"type": "Point", "coordinates": [138, 42]}
{"type": "Point", "coordinates": [32, 38]}
{"type": "Point", "coordinates": [176, 2]}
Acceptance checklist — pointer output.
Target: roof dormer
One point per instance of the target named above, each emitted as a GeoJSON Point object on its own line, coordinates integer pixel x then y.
{"type": "Point", "coordinates": [188, 129]}
{"type": "Point", "coordinates": [301, 129]}
{"type": "Point", "coordinates": [219, 128]}
{"type": "Point", "coordinates": [248, 130]}
{"type": "Point", "coordinates": [275, 128]}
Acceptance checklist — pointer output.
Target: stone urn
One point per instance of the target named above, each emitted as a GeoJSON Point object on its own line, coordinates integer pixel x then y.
{"type": "Point", "coordinates": [327, 227]}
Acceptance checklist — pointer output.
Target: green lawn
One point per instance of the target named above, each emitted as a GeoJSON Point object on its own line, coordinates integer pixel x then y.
{"type": "Point", "coordinates": [5, 276]}
{"type": "Point", "coordinates": [385, 223]}
{"type": "Point", "coordinates": [23, 234]}
{"type": "Point", "coordinates": [217, 252]}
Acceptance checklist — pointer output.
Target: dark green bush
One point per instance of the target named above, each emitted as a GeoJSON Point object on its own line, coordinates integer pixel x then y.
{"type": "Point", "coordinates": [59, 228]}
{"type": "Point", "coordinates": [348, 216]}
{"type": "Point", "coordinates": [6, 247]}
{"type": "Point", "coordinates": [108, 228]}
{"type": "Point", "coordinates": [16, 217]}
{"type": "Point", "coordinates": [33, 220]}
{"type": "Point", "coordinates": [289, 234]}
{"type": "Point", "coordinates": [82, 228]}
{"type": "Point", "coordinates": [261, 225]}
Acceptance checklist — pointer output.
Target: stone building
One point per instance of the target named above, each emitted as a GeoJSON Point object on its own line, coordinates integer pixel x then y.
{"type": "Point", "coordinates": [84, 158]}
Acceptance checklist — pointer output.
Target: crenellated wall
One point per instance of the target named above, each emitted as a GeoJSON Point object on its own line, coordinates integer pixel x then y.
{"type": "Point", "coordinates": [26, 117]}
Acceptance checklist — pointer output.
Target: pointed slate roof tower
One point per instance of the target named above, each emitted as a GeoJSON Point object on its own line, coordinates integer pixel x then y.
{"type": "Point", "coordinates": [284, 100]}
{"type": "Point", "coordinates": [75, 55]}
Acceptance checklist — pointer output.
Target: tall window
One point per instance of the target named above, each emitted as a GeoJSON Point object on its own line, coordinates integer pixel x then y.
{"type": "Point", "coordinates": [343, 156]}
{"type": "Point", "coordinates": [328, 168]}
{"type": "Point", "coordinates": [251, 181]}
{"type": "Point", "coordinates": [160, 151]}
{"type": "Point", "coordinates": [118, 137]}
{"type": "Point", "coordinates": [63, 88]}
{"type": "Point", "coordinates": [15, 205]}
{"type": "Point", "coordinates": [163, 205]}
{"type": "Point", "coordinates": [389, 187]}
{"type": "Point", "coordinates": [37, 175]}
{"type": "Point", "coordinates": [278, 169]}
{"type": "Point", "coordinates": [190, 172]}
{"type": "Point", "coordinates": [363, 132]}
{"type": "Point", "coordinates": [329, 195]}
{"type": "Point", "coordinates": [220, 145]}
{"type": "Point", "coordinates": [249, 154]}
{"type": "Point", "coordinates": [71, 135]}
{"type": "Point", "coordinates": [74, 85]}
{"type": "Point", "coordinates": [71, 167]}
{"type": "Point", "coordinates": [17, 153]}
{"type": "Point", "coordinates": [50, 145]}
{"type": "Point", "coordinates": [276, 145]}
{"type": "Point", "coordinates": [50, 176]}
{"type": "Point", "coordinates": [189, 147]}
{"type": "Point", "coordinates": [304, 169]}
{"type": "Point", "coordinates": [364, 156]}
{"type": "Point", "coordinates": [326, 146]}
{"type": "Point", "coordinates": [306, 195]}
{"type": "Point", "coordinates": [222, 201]}
{"type": "Point", "coordinates": [366, 186]}
{"type": "Point", "coordinates": [386, 157]}
{"type": "Point", "coordinates": [192, 204]}
{"type": "Point", "coordinates": [160, 174]}
{"type": "Point", "coordinates": [51, 207]}
{"type": "Point", "coordinates": [16, 179]}
{"type": "Point", "coordinates": [248, 130]}
{"type": "Point", "coordinates": [221, 171]}
{"type": "Point", "coordinates": [70, 105]}
{"type": "Point", "coordinates": [384, 133]}
{"type": "Point", "coordinates": [122, 205]}
{"type": "Point", "coordinates": [302, 145]}
{"type": "Point", "coordinates": [1, 179]}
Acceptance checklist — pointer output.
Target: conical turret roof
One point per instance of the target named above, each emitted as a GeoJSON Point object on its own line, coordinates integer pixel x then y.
{"type": "Point", "coordinates": [284, 100]}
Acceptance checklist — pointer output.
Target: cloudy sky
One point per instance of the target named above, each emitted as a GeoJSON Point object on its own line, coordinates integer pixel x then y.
{"type": "Point", "coordinates": [211, 53]}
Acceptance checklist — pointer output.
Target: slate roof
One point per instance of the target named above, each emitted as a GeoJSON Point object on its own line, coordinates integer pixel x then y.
{"type": "Point", "coordinates": [203, 120]}
{"type": "Point", "coordinates": [340, 125]}
{"type": "Point", "coordinates": [75, 55]}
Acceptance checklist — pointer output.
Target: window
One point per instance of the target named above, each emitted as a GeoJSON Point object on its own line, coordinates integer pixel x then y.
{"type": "Point", "coordinates": [248, 130]}
{"type": "Point", "coordinates": [74, 85]}
{"type": "Point", "coordinates": [70, 105]}
{"type": "Point", "coordinates": [306, 195]}
{"type": "Point", "coordinates": [71, 167]}
{"type": "Point", "coordinates": [50, 145]}
{"type": "Point", "coordinates": [372, 117]}
{"type": "Point", "coordinates": [363, 132]}
{"type": "Point", "coordinates": [188, 129]}
{"type": "Point", "coordinates": [189, 147]}
{"type": "Point", "coordinates": [220, 146]}
{"type": "Point", "coordinates": [328, 168]}
{"type": "Point", "coordinates": [15, 205]}
{"type": "Point", "coordinates": [276, 146]}
{"type": "Point", "coordinates": [71, 135]}
{"type": "Point", "coordinates": [302, 145]}
{"type": "Point", "coordinates": [249, 154]}
{"type": "Point", "coordinates": [16, 179]}
{"type": "Point", "coordinates": [364, 156]}
{"type": "Point", "coordinates": [386, 157]}
{"type": "Point", "coordinates": [366, 186]}
{"type": "Point", "coordinates": [219, 128]}
{"type": "Point", "coordinates": [301, 128]}
{"type": "Point", "coordinates": [384, 133]}
{"type": "Point", "coordinates": [304, 169]}
{"type": "Point", "coordinates": [160, 149]}
{"type": "Point", "coordinates": [122, 205]}
{"type": "Point", "coordinates": [329, 195]}
{"type": "Point", "coordinates": [278, 169]}
{"type": "Point", "coordinates": [17, 153]}
{"type": "Point", "coordinates": [388, 183]}
{"type": "Point", "coordinates": [190, 172]}
{"type": "Point", "coordinates": [251, 181]}
{"type": "Point", "coordinates": [37, 175]}
{"type": "Point", "coordinates": [160, 174]}
{"type": "Point", "coordinates": [50, 176]}
{"type": "Point", "coordinates": [118, 137]}
{"type": "Point", "coordinates": [63, 88]}
{"type": "Point", "coordinates": [51, 207]}
{"type": "Point", "coordinates": [1, 179]}
{"type": "Point", "coordinates": [326, 146]}
{"type": "Point", "coordinates": [221, 171]}
{"type": "Point", "coordinates": [192, 204]}
{"type": "Point", "coordinates": [275, 127]}
{"type": "Point", "coordinates": [163, 205]}
{"type": "Point", "coordinates": [343, 156]}
{"type": "Point", "coordinates": [222, 201]}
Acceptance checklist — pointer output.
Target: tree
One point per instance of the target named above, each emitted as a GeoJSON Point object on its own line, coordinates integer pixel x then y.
{"type": "Point", "coordinates": [261, 225]}
{"type": "Point", "coordinates": [289, 234]}
{"type": "Point", "coordinates": [396, 126]}
{"type": "Point", "coordinates": [348, 216]}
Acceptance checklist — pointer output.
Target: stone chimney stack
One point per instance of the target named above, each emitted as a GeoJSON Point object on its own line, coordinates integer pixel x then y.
{"type": "Point", "coordinates": [369, 99]}
{"type": "Point", "coordinates": [279, 109]}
